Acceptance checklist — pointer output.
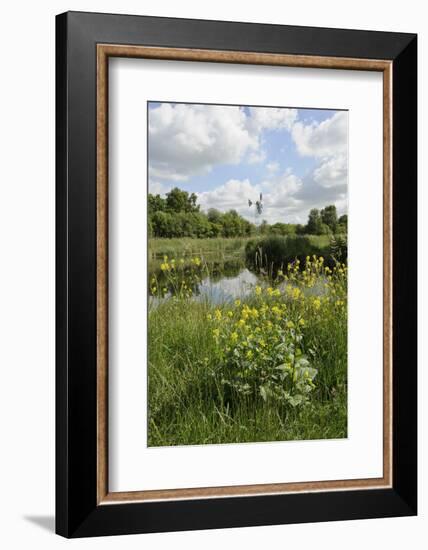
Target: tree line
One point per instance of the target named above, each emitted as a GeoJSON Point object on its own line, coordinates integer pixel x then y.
{"type": "Point", "coordinates": [178, 215]}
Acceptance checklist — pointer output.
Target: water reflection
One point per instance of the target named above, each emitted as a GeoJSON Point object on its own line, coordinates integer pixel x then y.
{"type": "Point", "coordinates": [224, 289]}
{"type": "Point", "coordinates": [217, 281]}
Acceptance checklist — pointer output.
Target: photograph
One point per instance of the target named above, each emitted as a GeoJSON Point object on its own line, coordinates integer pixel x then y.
{"type": "Point", "coordinates": [247, 317]}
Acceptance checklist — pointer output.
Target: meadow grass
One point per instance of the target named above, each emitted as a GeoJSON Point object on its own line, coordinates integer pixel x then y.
{"type": "Point", "coordinates": [189, 402]}
{"type": "Point", "coordinates": [220, 246]}
{"type": "Point", "coordinates": [186, 246]}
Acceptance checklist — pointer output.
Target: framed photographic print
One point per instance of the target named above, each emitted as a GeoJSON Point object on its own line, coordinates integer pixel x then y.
{"type": "Point", "coordinates": [236, 274]}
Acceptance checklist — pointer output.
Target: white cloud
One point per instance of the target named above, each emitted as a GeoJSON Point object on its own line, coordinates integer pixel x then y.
{"type": "Point", "coordinates": [279, 201]}
{"type": "Point", "coordinates": [257, 156]}
{"type": "Point", "coordinates": [271, 118]}
{"type": "Point", "coordinates": [324, 139]}
{"type": "Point", "coordinates": [233, 194]}
{"type": "Point", "coordinates": [186, 140]}
{"type": "Point", "coordinates": [286, 198]}
{"type": "Point", "coordinates": [332, 172]}
{"type": "Point", "coordinates": [158, 188]}
{"type": "Point", "coordinates": [272, 167]}
{"type": "Point", "coordinates": [328, 141]}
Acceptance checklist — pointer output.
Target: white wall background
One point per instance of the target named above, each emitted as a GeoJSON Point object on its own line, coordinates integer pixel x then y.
{"type": "Point", "coordinates": [27, 88]}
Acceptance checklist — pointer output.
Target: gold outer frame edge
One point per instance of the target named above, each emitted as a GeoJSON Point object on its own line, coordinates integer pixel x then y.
{"type": "Point", "coordinates": [104, 51]}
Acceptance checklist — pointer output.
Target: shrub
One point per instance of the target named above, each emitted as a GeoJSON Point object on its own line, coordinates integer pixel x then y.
{"type": "Point", "coordinates": [339, 248]}
{"type": "Point", "coordinates": [275, 252]}
{"type": "Point", "coordinates": [259, 349]}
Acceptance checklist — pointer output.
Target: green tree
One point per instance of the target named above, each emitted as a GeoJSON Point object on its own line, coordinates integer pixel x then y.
{"type": "Point", "coordinates": [264, 227]}
{"type": "Point", "coordinates": [282, 229]}
{"type": "Point", "coordinates": [214, 215]}
{"type": "Point", "coordinates": [329, 217]}
{"type": "Point", "coordinates": [155, 203]}
{"type": "Point", "coordinates": [180, 201]}
{"type": "Point", "coordinates": [313, 226]}
{"type": "Point", "coordinates": [342, 226]}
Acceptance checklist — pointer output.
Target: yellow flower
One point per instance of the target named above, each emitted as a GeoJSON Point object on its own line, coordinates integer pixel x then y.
{"type": "Point", "coordinates": [276, 292]}
{"type": "Point", "coordinates": [234, 337]}
{"type": "Point", "coordinates": [209, 317]}
{"type": "Point", "coordinates": [317, 303]}
{"type": "Point", "coordinates": [217, 314]}
{"type": "Point", "coordinates": [290, 324]}
{"type": "Point", "coordinates": [258, 290]}
{"type": "Point", "coordinates": [294, 292]}
{"type": "Point", "coordinates": [165, 258]}
{"type": "Point", "coordinates": [230, 313]}
{"type": "Point", "coordinates": [302, 322]}
{"type": "Point", "coordinates": [241, 322]}
{"type": "Point", "coordinates": [154, 290]}
{"type": "Point", "coordinates": [237, 303]}
{"type": "Point", "coordinates": [276, 311]}
{"type": "Point", "coordinates": [164, 267]}
{"type": "Point", "coordinates": [197, 261]}
{"type": "Point", "coordinates": [269, 291]}
{"type": "Point", "coordinates": [216, 332]}
{"type": "Point", "coordinates": [249, 354]}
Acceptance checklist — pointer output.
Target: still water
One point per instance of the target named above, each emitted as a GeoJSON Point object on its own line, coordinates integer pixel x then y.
{"type": "Point", "coordinates": [227, 288]}
{"type": "Point", "coordinates": [217, 282]}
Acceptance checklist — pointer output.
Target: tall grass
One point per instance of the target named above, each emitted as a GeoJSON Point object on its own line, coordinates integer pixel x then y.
{"type": "Point", "coordinates": [188, 401]}
{"type": "Point", "coordinates": [275, 251]}
{"type": "Point", "coordinates": [220, 247]}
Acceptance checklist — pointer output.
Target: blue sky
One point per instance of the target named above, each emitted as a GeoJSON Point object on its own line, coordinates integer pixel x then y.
{"type": "Point", "coordinates": [228, 154]}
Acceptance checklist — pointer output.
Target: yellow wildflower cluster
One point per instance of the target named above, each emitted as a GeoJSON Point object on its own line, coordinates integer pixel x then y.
{"type": "Point", "coordinates": [176, 277]}
{"type": "Point", "coordinates": [261, 340]}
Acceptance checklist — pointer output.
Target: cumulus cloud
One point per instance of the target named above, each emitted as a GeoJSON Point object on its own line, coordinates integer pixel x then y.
{"type": "Point", "coordinates": [190, 140]}
{"type": "Point", "coordinates": [332, 172]}
{"type": "Point", "coordinates": [187, 139]}
{"type": "Point", "coordinates": [272, 167]}
{"type": "Point", "coordinates": [158, 187]}
{"type": "Point", "coordinates": [271, 118]}
{"type": "Point", "coordinates": [327, 141]}
{"type": "Point", "coordinates": [233, 194]}
{"type": "Point", "coordinates": [279, 199]}
{"type": "Point", "coordinates": [324, 139]}
{"type": "Point", "coordinates": [313, 195]}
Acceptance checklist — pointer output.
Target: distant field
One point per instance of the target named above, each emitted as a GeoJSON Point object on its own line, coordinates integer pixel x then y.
{"type": "Point", "coordinates": [221, 247]}
{"type": "Point", "coordinates": [186, 246]}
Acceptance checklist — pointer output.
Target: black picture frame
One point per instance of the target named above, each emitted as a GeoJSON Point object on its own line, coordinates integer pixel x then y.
{"type": "Point", "coordinates": [77, 511]}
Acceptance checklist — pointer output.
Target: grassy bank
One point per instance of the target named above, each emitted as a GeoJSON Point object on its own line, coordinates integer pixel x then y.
{"type": "Point", "coordinates": [272, 367]}
{"type": "Point", "coordinates": [220, 247]}
{"type": "Point", "coordinates": [275, 252]}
